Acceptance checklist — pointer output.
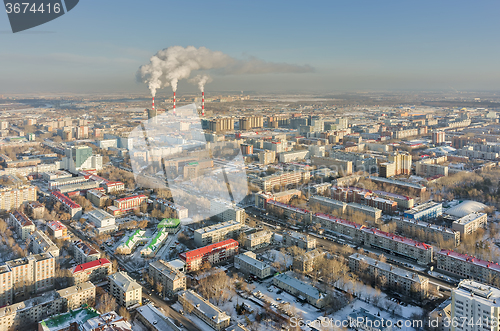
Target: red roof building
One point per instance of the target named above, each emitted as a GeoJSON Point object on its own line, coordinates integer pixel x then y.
{"type": "Point", "coordinates": [213, 254]}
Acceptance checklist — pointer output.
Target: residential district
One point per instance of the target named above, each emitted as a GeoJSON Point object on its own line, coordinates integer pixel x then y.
{"type": "Point", "coordinates": [261, 213]}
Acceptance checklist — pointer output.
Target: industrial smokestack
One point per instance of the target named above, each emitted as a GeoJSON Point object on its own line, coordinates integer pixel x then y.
{"type": "Point", "coordinates": [202, 103]}
{"type": "Point", "coordinates": [174, 102]}
{"type": "Point", "coordinates": [153, 102]}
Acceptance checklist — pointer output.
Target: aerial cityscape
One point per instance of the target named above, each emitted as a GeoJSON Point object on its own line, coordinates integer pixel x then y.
{"type": "Point", "coordinates": [210, 189]}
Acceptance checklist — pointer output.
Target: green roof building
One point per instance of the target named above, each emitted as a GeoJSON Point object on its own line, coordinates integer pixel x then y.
{"type": "Point", "coordinates": [171, 225]}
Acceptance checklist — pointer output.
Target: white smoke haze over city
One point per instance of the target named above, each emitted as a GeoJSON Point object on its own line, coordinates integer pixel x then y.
{"type": "Point", "coordinates": [201, 80]}
{"type": "Point", "coordinates": [175, 63]}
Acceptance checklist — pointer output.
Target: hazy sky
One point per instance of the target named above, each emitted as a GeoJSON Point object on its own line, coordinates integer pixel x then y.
{"type": "Point", "coordinates": [353, 45]}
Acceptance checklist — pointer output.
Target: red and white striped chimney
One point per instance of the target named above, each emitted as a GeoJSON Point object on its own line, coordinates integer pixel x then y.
{"type": "Point", "coordinates": [174, 103]}
{"type": "Point", "coordinates": [153, 102]}
{"type": "Point", "coordinates": [202, 103]}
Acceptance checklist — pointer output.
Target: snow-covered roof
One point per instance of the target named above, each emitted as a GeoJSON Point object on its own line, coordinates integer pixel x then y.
{"type": "Point", "coordinates": [465, 208]}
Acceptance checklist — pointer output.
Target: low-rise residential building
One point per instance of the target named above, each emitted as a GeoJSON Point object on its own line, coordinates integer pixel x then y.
{"type": "Point", "coordinates": [36, 309]}
{"type": "Point", "coordinates": [213, 254]}
{"type": "Point", "coordinates": [128, 246]}
{"type": "Point", "coordinates": [57, 229]}
{"type": "Point", "coordinates": [301, 240]}
{"type": "Point", "coordinates": [287, 282]}
{"type": "Point", "coordinates": [411, 226]}
{"type": "Point", "coordinates": [218, 232]}
{"type": "Point", "coordinates": [305, 263]}
{"type": "Point", "coordinates": [466, 266]}
{"type": "Point", "coordinates": [425, 211]}
{"type": "Point", "coordinates": [470, 223]}
{"type": "Point", "coordinates": [203, 309]}
{"type": "Point", "coordinates": [91, 271]}
{"type": "Point", "coordinates": [171, 279]}
{"type": "Point", "coordinates": [41, 243]}
{"type": "Point", "coordinates": [23, 225]}
{"type": "Point", "coordinates": [248, 263]}
{"type": "Point", "coordinates": [258, 239]}
{"type": "Point", "coordinates": [227, 211]}
{"type": "Point", "coordinates": [103, 221]}
{"type": "Point", "coordinates": [155, 243]}
{"type": "Point", "coordinates": [477, 305]}
{"type": "Point", "coordinates": [84, 252]}
{"type": "Point", "coordinates": [126, 291]}
{"type": "Point", "coordinates": [403, 281]}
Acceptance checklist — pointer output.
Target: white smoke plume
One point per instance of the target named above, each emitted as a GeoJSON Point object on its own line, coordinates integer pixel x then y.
{"type": "Point", "coordinates": [201, 80]}
{"type": "Point", "coordinates": [172, 64]}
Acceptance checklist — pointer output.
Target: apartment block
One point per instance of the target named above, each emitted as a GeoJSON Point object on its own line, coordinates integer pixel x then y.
{"type": "Point", "coordinates": [179, 212]}
{"type": "Point", "coordinates": [91, 271]}
{"type": "Point", "coordinates": [97, 197]}
{"type": "Point", "coordinates": [248, 263]}
{"type": "Point", "coordinates": [287, 282]}
{"type": "Point", "coordinates": [470, 223]}
{"type": "Point", "coordinates": [372, 237]}
{"type": "Point", "coordinates": [301, 240]}
{"type": "Point", "coordinates": [466, 266]}
{"type": "Point", "coordinates": [413, 226]}
{"type": "Point", "coordinates": [71, 207]}
{"type": "Point", "coordinates": [126, 291]}
{"type": "Point", "coordinates": [41, 243]}
{"type": "Point", "coordinates": [227, 211]}
{"type": "Point", "coordinates": [203, 309]}
{"type": "Point", "coordinates": [475, 306]}
{"type": "Point", "coordinates": [403, 281]}
{"type": "Point", "coordinates": [26, 275]}
{"type": "Point", "coordinates": [38, 308]}
{"type": "Point", "coordinates": [258, 240]}
{"type": "Point", "coordinates": [57, 229]}
{"type": "Point", "coordinates": [218, 232]}
{"type": "Point", "coordinates": [171, 279]}
{"type": "Point", "coordinates": [23, 225]}
{"type": "Point", "coordinates": [267, 183]}
{"type": "Point", "coordinates": [213, 254]}
{"type": "Point", "coordinates": [12, 198]}
{"type": "Point", "coordinates": [84, 252]}
{"type": "Point", "coordinates": [305, 263]}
